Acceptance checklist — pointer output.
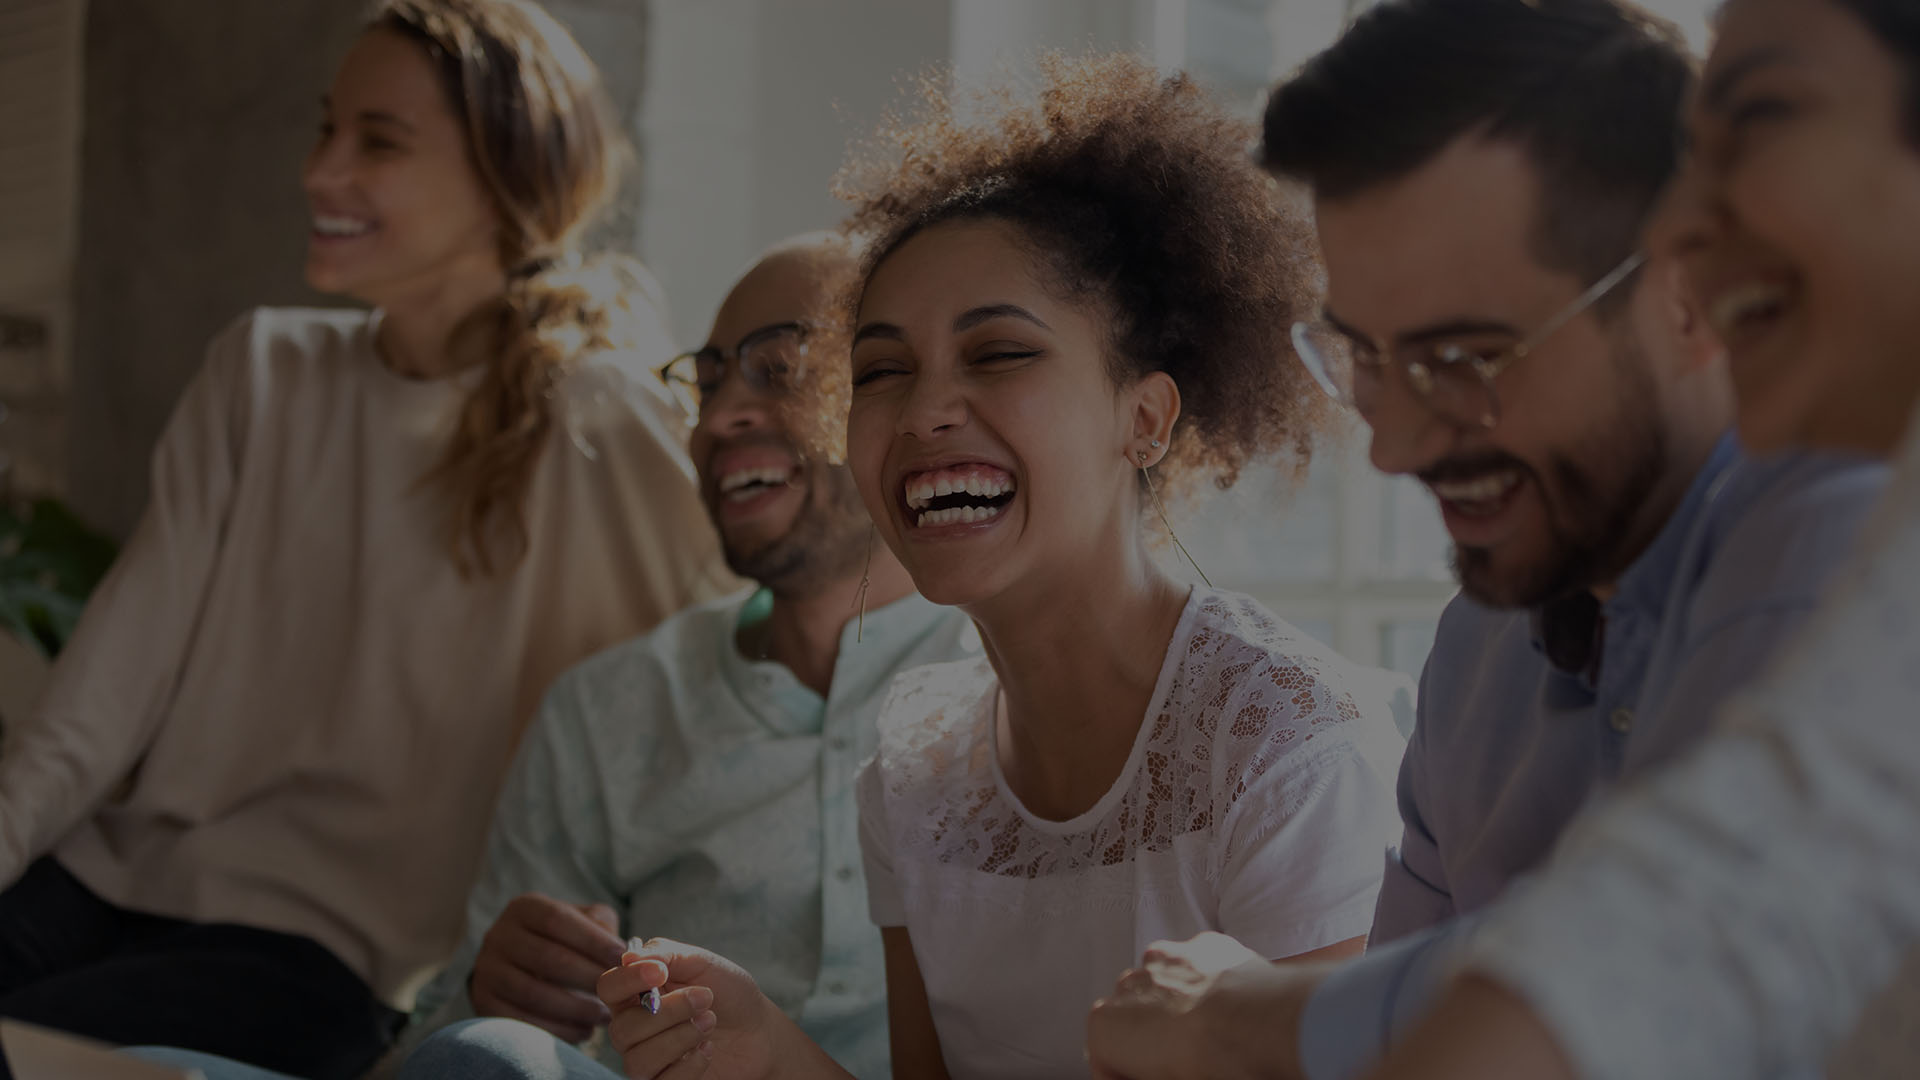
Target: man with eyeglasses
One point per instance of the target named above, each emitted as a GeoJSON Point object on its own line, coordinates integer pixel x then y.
{"type": "Point", "coordinates": [1481, 172]}
{"type": "Point", "coordinates": [697, 782]}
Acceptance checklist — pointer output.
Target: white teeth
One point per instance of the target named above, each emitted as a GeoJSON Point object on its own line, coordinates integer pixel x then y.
{"type": "Point", "coordinates": [735, 482]}
{"type": "Point", "coordinates": [923, 491]}
{"type": "Point", "coordinates": [1740, 303]}
{"type": "Point", "coordinates": [1479, 489]}
{"type": "Point", "coordinates": [958, 515]}
{"type": "Point", "coordinates": [328, 225]}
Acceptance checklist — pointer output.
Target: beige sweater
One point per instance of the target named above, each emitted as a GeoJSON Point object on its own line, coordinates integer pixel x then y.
{"type": "Point", "coordinates": [284, 707]}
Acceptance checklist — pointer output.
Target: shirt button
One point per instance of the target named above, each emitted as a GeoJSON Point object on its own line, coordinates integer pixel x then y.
{"type": "Point", "coordinates": [836, 987]}
{"type": "Point", "coordinates": [1621, 720]}
{"type": "Point", "coordinates": [845, 873]}
{"type": "Point", "coordinates": [838, 742]}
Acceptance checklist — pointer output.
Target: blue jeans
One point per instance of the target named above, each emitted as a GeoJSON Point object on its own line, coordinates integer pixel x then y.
{"type": "Point", "coordinates": [494, 1049]}
{"type": "Point", "coordinates": [211, 1066]}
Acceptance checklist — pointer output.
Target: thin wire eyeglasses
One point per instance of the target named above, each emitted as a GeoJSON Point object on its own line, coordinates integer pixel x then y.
{"type": "Point", "coordinates": [768, 360]}
{"type": "Point", "coordinates": [1453, 380]}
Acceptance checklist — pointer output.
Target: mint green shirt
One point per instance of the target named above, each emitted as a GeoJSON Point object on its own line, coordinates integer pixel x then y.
{"type": "Point", "coordinates": [709, 798]}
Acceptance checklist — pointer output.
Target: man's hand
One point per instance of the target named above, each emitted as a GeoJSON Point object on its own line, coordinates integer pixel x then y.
{"type": "Point", "coordinates": [712, 1015]}
{"type": "Point", "coordinates": [540, 962]}
{"type": "Point", "coordinates": [1208, 1007]}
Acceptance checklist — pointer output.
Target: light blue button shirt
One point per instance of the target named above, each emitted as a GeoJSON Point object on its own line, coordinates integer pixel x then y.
{"type": "Point", "coordinates": [709, 798]}
{"type": "Point", "coordinates": [1508, 746]}
{"type": "Point", "coordinates": [1754, 910]}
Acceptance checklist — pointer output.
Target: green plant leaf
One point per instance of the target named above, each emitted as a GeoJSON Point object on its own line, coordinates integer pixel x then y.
{"type": "Point", "coordinates": [50, 562]}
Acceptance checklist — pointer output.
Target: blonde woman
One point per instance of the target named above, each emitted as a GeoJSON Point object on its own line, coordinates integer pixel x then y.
{"type": "Point", "coordinates": [246, 817]}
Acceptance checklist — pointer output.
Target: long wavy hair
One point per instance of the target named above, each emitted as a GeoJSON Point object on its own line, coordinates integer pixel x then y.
{"type": "Point", "coordinates": [546, 143]}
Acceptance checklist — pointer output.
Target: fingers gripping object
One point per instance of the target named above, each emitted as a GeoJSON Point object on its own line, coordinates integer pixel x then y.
{"type": "Point", "coordinates": [651, 999]}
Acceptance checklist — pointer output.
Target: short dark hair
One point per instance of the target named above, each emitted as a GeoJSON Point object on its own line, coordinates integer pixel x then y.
{"type": "Point", "coordinates": [1591, 90]}
{"type": "Point", "coordinates": [1137, 192]}
{"type": "Point", "coordinates": [1897, 24]}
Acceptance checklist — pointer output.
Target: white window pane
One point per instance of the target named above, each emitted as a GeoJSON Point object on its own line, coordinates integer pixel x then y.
{"type": "Point", "coordinates": [1404, 644]}
{"type": "Point", "coordinates": [1268, 528]}
{"type": "Point", "coordinates": [1230, 50]}
{"type": "Point", "coordinates": [1320, 630]}
{"type": "Point", "coordinates": [1413, 539]}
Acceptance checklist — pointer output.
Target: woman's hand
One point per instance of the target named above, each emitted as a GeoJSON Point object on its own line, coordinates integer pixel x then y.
{"type": "Point", "coordinates": [1209, 1007]}
{"type": "Point", "coordinates": [712, 1019]}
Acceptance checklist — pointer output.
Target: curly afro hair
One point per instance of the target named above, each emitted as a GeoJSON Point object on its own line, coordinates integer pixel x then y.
{"type": "Point", "coordinates": [1139, 193]}
{"type": "Point", "coordinates": [813, 409]}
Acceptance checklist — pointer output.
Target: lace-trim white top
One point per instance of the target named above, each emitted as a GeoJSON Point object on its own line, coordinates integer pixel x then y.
{"type": "Point", "coordinates": [1257, 801]}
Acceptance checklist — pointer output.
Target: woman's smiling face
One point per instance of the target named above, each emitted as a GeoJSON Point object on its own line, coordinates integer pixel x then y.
{"type": "Point", "coordinates": [398, 205]}
{"type": "Point", "coordinates": [987, 435]}
{"type": "Point", "coordinates": [1798, 220]}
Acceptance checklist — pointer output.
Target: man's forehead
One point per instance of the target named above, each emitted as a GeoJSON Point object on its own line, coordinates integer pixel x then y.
{"type": "Point", "coordinates": [792, 286]}
{"type": "Point", "coordinates": [1452, 239]}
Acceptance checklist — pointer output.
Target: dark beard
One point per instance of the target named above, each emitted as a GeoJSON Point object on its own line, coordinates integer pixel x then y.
{"type": "Point", "coordinates": [1581, 553]}
{"type": "Point", "coordinates": [1591, 516]}
{"type": "Point", "coordinates": [826, 542]}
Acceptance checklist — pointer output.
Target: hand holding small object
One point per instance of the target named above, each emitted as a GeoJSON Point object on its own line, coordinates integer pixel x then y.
{"type": "Point", "coordinates": [651, 999]}
{"type": "Point", "coordinates": [680, 1011]}
{"type": "Point", "coordinates": [659, 1030]}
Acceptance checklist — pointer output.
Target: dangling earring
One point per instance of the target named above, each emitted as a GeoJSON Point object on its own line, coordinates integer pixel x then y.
{"type": "Point", "coordinates": [1164, 520]}
{"type": "Point", "coordinates": [860, 598]}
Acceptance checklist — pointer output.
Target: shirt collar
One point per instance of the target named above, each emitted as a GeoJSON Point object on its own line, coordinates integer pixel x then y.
{"type": "Point", "coordinates": [1569, 630]}
{"type": "Point", "coordinates": [885, 643]}
{"type": "Point", "coordinates": [890, 635]}
{"type": "Point", "coordinates": [1647, 585]}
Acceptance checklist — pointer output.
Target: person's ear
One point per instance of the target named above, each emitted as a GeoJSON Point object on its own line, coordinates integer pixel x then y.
{"type": "Point", "coordinates": [1155, 409]}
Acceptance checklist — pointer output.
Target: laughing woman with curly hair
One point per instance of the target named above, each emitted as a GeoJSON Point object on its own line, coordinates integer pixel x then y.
{"type": "Point", "coordinates": [1068, 310]}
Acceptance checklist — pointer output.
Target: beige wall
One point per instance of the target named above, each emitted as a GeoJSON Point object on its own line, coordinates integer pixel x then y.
{"type": "Point", "coordinates": [196, 118]}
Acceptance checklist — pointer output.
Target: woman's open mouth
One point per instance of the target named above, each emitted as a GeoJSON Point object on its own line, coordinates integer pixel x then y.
{"type": "Point", "coordinates": [968, 494]}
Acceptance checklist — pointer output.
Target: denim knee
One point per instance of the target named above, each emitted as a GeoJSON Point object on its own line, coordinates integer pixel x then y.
{"type": "Point", "coordinates": [497, 1049]}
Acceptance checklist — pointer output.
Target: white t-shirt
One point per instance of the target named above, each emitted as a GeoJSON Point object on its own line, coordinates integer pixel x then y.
{"type": "Point", "coordinates": [1258, 802]}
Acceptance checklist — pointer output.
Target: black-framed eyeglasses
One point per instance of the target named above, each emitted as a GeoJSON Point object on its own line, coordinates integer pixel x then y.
{"type": "Point", "coordinates": [1453, 379]}
{"type": "Point", "coordinates": [768, 360]}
